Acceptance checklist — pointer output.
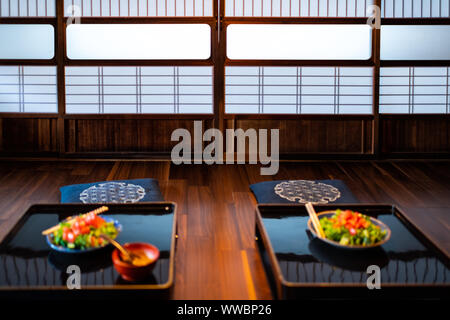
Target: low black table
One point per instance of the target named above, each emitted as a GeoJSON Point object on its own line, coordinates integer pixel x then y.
{"type": "Point", "coordinates": [299, 265]}
{"type": "Point", "coordinates": [29, 269]}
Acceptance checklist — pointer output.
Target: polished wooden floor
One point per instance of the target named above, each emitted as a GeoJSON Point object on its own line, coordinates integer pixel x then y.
{"type": "Point", "coordinates": [216, 258]}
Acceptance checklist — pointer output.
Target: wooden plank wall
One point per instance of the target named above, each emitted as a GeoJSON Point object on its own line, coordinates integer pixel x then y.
{"type": "Point", "coordinates": [398, 135]}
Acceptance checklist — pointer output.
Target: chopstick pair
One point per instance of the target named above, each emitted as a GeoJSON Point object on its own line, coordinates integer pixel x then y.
{"type": "Point", "coordinates": [315, 220]}
{"type": "Point", "coordinates": [95, 212]}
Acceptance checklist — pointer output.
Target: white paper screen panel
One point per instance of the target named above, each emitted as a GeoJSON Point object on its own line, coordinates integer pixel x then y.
{"type": "Point", "coordinates": [139, 90]}
{"type": "Point", "coordinates": [27, 8]}
{"type": "Point", "coordinates": [414, 90]}
{"type": "Point", "coordinates": [299, 42]}
{"type": "Point", "coordinates": [299, 90]}
{"type": "Point", "coordinates": [138, 8]}
{"type": "Point", "coordinates": [297, 8]}
{"type": "Point", "coordinates": [28, 89]}
{"type": "Point", "coordinates": [27, 41]}
{"type": "Point", "coordinates": [337, 8]}
{"type": "Point", "coordinates": [139, 41]}
{"type": "Point", "coordinates": [415, 8]}
{"type": "Point", "coordinates": [415, 42]}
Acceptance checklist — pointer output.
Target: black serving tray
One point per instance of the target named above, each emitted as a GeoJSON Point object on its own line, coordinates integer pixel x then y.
{"type": "Point", "coordinates": [299, 265]}
{"type": "Point", "coordinates": [29, 269]}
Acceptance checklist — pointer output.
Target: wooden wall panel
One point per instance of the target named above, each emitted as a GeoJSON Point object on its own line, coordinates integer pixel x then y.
{"type": "Point", "coordinates": [415, 135]}
{"type": "Point", "coordinates": [123, 135]}
{"type": "Point", "coordinates": [317, 136]}
{"type": "Point", "coordinates": [28, 135]}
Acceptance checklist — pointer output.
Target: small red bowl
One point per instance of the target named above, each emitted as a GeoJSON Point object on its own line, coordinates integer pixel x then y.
{"type": "Point", "coordinates": [130, 272]}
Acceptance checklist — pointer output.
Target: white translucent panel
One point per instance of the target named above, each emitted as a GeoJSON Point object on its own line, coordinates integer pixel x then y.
{"type": "Point", "coordinates": [394, 99]}
{"type": "Point", "coordinates": [288, 90]}
{"type": "Point", "coordinates": [27, 8]}
{"type": "Point", "coordinates": [139, 90]}
{"type": "Point", "coordinates": [393, 90]}
{"type": "Point", "coordinates": [287, 42]}
{"type": "Point", "coordinates": [138, 8]}
{"type": "Point", "coordinates": [158, 90]}
{"type": "Point", "coordinates": [83, 108]}
{"type": "Point", "coordinates": [399, 109]}
{"type": "Point", "coordinates": [139, 41]}
{"type": "Point", "coordinates": [280, 109]}
{"type": "Point", "coordinates": [268, 80]}
{"type": "Point", "coordinates": [193, 99]}
{"type": "Point", "coordinates": [434, 109]}
{"type": "Point", "coordinates": [419, 42]}
{"type": "Point", "coordinates": [316, 81]}
{"type": "Point", "coordinates": [297, 8]}
{"type": "Point", "coordinates": [155, 108]}
{"type": "Point", "coordinates": [242, 99]}
{"type": "Point", "coordinates": [243, 109]}
{"type": "Point", "coordinates": [9, 107]}
{"type": "Point", "coordinates": [427, 90]}
{"type": "Point", "coordinates": [355, 100]}
{"type": "Point", "coordinates": [194, 108]}
{"type": "Point", "coordinates": [40, 98]}
{"type": "Point", "coordinates": [40, 107]}
{"type": "Point", "coordinates": [158, 99]}
{"type": "Point", "coordinates": [121, 89]}
{"type": "Point", "coordinates": [415, 8]}
{"type": "Point", "coordinates": [322, 90]}
{"type": "Point", "coordinates": [318, 99]}
{"type": "Point", "coordinates": [157, 80]}
{"type": "Point", "coordinates": [318, 90]}
{"type": "Point", "coordinates": [229, 90]}
{"type": "Point", "coordinates": [191, 90]}
{"type": "Point", "coordinates": [28, 89]}
{"type": "Point", "coordinates": [355, 109]}
{"type": "Point", "coordinates": [119, 108]}
{"type": "Point", "coordinates": [29, 41]}
{"type": "Point", "coordinates": [317, 109]}
{"type": "Point", "coordinates": [241, 80]}
{"type": "Point", "coordinates": [157, 71]}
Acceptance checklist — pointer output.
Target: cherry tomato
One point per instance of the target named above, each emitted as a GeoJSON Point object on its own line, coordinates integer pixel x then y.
{"type": "Point", "coordinates": [352, 231]}
{"type": "Point", "coordinates": [76, 232]}
{"type": "Point", "coordinates": [70, 237]}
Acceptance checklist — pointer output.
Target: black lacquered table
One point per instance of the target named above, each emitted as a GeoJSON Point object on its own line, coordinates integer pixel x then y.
{"type": "Point", "coordinates": [299, 265]}
{"type": "Point", "coordinates": [30, 269]}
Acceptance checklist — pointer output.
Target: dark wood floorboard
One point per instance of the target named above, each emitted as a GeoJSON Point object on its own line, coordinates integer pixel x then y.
{"type": "Point", "coordinates": [216, 257]}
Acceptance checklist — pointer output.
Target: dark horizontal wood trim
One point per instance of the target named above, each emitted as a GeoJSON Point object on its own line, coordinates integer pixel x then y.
{"type": "Point", "coordinates": [293, 20]}
{"type": "Point", "coordinates": [16, 115]}
{"type": "Point", "coordinates": [28, 20]}
{"type": "Point", "coordinates": [333, 20]}
{"type": "Point", "coordinates": [417, 116]}
{"type": "Point", "coordinates": [165, 156]}
{"type": "Point", "coordinates": [138, 116]}
{"type": "Point", "coordinates": [137, 63]}
{"type": "Point", "coordinates": [414, 63]}
{"type": "Point", "coordinates": [117, 155]}
{"type": "Point", "coordinates": [415, 21]}
{"type": "Point", "coordinates": [147, 20]}
{"type": "Point", "coordinates": [28, 62]}
{"type": "Point", "coordinates": [226, 116]}
{"type": "Point", "coordinates": [415, 155]}
{"type": "Point", "coordinates": [298, 117]}
{"type": "Point", "coordinates": [312, 63]}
